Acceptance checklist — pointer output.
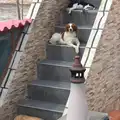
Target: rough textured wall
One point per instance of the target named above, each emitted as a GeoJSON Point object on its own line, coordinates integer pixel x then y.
{"type": "Point", "coordinates": [14, 1]}
{"type": "Point", "coordinates": [43, 27]}
{"type": "Point", "coordinates": [104, 78]}
{"type": "Point", "coordinates": [9, 11]}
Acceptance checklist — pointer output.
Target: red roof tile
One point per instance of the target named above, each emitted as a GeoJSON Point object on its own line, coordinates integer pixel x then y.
{"type": "Point", "coordinates": [7, 25]}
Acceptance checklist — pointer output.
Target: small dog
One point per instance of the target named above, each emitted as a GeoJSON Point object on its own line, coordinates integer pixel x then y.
{"type": "Point", "coordinates": [69, 37]}
{"type": "Point", "coordinates": [81, 5]}
{"type": "Point", "coordinates": [24, 117]}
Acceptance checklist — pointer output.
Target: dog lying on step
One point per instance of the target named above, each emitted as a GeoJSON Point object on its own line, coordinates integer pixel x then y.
{"type": "Point", "coordinates": [80, 5]}
{"type": "Point", "coordinates": [24, 117]}
{"type": "Point", "coordinates": [69, 37]}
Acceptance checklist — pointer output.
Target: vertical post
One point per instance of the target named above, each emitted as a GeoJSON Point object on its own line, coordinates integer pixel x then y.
{"type": "Point", "coordinates": [22, 9]}
{"type": "Point", "coordinates": [77, 108]}
{"type": "Point", "coordinates": [18, 9]}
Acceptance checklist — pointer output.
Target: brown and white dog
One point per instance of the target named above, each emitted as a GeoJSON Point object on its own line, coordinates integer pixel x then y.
{"type": "Point", "coordinates": [69, 37]}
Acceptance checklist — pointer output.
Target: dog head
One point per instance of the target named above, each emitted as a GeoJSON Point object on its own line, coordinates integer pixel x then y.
{"type": "Point", "coordinates": [71, 27]}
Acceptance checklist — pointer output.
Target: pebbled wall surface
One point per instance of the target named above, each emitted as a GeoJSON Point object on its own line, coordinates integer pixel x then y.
{"type": "Point", "coordinates": [103, 83]}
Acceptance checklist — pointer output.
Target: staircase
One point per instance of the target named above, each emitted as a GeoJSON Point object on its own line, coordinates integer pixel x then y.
{"type": "Point", "coordinates": [47, 96]}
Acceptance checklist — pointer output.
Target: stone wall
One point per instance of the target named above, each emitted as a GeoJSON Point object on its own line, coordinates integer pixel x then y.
{"type": "Point", "coordinates": [42, 29]}
{"type": "Point", "coordinates": [9, 11]}
{"type": "Point", "coordinates": [14, 1]}
{"type": "Point", "coordinates": [103, 83]}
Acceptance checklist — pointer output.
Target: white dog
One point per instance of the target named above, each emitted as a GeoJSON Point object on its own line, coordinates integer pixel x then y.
{"type": "Point", "coordinates": [69, 37]}
{"type": "Point", "coordinates": [80, 5]}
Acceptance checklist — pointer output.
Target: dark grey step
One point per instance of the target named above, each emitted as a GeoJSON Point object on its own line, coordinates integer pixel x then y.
{"type": "Point", "coordinates": [62, 52]}
{"type": "Point", "coordinates": [83, 32]}
{"type": "Point", "coordinates": [44, 110]}
{"type": "Point", "coordinates": [52, 91]}
{"type": "Point", "coordinates": [54, 70]}
{"type": "Point", "coordinates": [78, 17]}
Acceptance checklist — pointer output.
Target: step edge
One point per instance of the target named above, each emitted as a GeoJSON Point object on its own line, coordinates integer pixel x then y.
{"type": "Point", "coordinates": [47, 109]}
{"type": "Point", "coordinates": [40, 108]}
{"type": "Point", "coordinates": [82, 11]}
{"type": "Point", "coordinates": [57, 64]}
{"type": "Point", "coordinates": [45, 86]}
{"type": "Point", "coordinates": [57, 45]}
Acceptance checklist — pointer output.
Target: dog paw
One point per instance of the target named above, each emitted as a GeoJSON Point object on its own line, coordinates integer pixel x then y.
{"type": "Point", "coordinates": [49, 42]}
{"type": "Point", "coordinates": [77, 50]}
{"type": "Point", "coordinates": [69, 12]}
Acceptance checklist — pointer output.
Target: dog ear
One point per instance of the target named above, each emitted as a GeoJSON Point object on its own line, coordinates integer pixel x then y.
{"type": "Point", "coordinates": [67, 27]}
{"type": "Point", "coordinates": [74, 27]}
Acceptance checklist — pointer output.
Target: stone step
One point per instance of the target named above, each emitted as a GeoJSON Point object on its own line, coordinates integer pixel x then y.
{"type": "Point", "coordinates": [54, 70]}
{"type": "Point", "coordinates": [79, 17]}
{"type": "Point", "coordinates": [83, 32]}
{"type": "Point", "coordinates": [44, 110]}
{"type": "Point", "coordinates": [62, 52]}
{"type": "Point", "coordinates": [47, 90]}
